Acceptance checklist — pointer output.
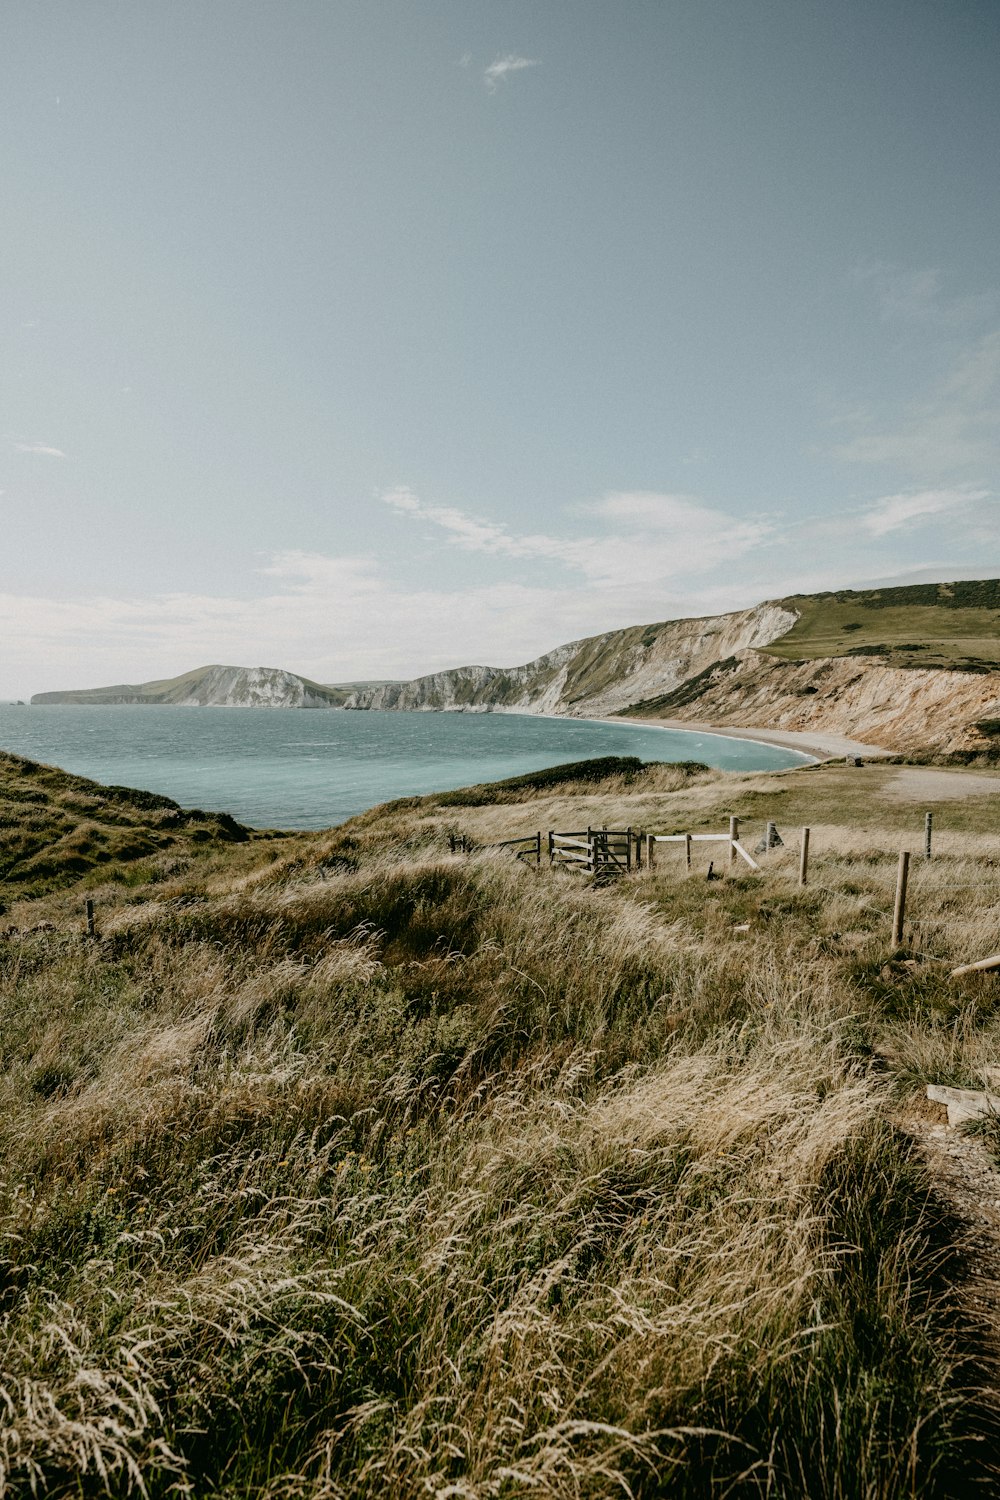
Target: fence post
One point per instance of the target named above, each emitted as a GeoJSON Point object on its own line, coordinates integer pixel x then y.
{"type": "Point", "coordinates": [551, 846]}
{"type": "Point", "coordinates": [734, 833]}
{"type": "Point", "coordinates": [650, 851]}
{"type": "Point", "coordinates": [90, 917]}
{"type": "Point", "coordinates": [638, 850]}
{"type": "Point", "coordinates": [538, 850]}
{"type": "Point", "coordinates": [804, 857]}
{"type": "Point", "coordinates": [899, 910]}
{"type": "Point", "coordinates": [687, 851]}
{"type": "Point", "coordinates": [769, 838]}
{"type": "Point", "coordinates": [928, 822]}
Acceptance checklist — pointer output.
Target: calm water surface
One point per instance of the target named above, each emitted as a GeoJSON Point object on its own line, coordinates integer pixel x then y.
{"type": "Point", "coordinates": [309, 768]}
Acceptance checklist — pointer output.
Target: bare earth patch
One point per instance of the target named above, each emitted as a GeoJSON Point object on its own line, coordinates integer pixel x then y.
{"type": "Point", "coordinates": [924, 784]}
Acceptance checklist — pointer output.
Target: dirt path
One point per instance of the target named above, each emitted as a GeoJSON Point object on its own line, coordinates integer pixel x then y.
{"type": "Point", "coordinates": [967, 1181]}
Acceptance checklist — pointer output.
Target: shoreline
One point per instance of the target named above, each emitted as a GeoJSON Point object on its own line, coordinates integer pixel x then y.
{"type": "Point", "coordinates": [817, 746]}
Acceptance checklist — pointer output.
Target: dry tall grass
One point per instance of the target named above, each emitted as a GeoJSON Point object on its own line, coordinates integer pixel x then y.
{"type": "Point", "coordinates": [359, 1174]}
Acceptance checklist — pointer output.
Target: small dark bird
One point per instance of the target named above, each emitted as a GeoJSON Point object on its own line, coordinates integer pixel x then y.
{"type": "Point", "coordinates": [711, 872]}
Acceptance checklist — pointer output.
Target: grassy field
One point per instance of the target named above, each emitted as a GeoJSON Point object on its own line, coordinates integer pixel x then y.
{"type": "Point", "coordinates": [340, 1166]}
{"type": "Point", "coordinates": [953, 625]}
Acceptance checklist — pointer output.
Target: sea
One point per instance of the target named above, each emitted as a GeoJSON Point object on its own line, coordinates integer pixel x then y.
{"type": "Point", "coordinates": [312, 768]}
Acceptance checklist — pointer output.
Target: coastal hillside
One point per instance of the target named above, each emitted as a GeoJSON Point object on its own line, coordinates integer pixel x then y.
{"type": "Point", "coordinates": [341, 1166]}
{"type": "Point", "coordinates": [913, 668]}
{"type": "Point", "coordinates": [595, 676]}
{"type": "Point", "coordinates": [216, 686]}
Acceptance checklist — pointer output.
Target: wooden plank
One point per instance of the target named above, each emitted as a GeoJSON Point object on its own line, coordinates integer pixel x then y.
{"type": "Point", "coordinates": [748, 857]}
{"type": "Point", "coordinates": [981, 966]}
{"type": "Point", "coordinates": [698, 838]}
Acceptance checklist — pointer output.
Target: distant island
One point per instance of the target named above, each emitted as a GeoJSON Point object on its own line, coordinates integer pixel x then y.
{"type": "Point", "coordinates": [909, 667]}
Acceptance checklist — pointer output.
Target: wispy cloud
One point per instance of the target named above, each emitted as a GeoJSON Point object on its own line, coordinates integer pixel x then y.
{"type": "Point", "coordinates": [641, 535]}
{"type": "Point", "coordinates": [502, 67]}
{"type": "Point", "coordinates": [42, 448]}
{"type": "Point", "coordinates": [951, 430]}
{"type": "Point", "coordinates": [643, 556]}
{"type": "Point", "coordinates": [896, 512]}
{"type": "Point", "coordinates": [920, 295]}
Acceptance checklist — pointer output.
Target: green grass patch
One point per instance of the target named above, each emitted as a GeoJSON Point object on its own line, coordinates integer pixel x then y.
{"type": "Point", "coordinates": [950, 625]}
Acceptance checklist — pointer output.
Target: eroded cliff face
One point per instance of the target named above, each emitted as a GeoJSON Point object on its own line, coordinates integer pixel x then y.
{"type": "Point", "coordinates": [533, 688]}
{"type": "Point", "coordinates": [253, 687]}
{"type": "Point", "coordinates": [898, 708]}
{"type": "Point", "coordinates": [592, 677]}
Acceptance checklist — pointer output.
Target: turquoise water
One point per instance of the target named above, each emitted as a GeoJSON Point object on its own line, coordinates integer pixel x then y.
{"type": "Point", "coordinates": [310, 768]}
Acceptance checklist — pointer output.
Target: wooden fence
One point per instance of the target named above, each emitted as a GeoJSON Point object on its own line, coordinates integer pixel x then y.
{"type": "Point", "coordinates": [607, 853]}
{"type": "Point", "coordinates": [604, 853]}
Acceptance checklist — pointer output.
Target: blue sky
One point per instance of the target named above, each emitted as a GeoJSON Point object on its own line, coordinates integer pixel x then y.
{"type": "Point", "coordinates": [371, 338]}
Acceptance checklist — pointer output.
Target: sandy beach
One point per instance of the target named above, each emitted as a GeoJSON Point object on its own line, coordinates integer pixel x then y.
{"type": "Point", "coordinates": [821, 746]}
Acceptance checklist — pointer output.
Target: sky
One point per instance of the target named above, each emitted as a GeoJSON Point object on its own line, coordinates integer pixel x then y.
{"type": "Point", "coordinates": [371, 337]}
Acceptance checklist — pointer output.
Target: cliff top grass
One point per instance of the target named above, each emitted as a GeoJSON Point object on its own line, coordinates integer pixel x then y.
{"type": "Point", "coordinates": [951, 625]}
{"type": "Point", "coordinates": [341, 1166]}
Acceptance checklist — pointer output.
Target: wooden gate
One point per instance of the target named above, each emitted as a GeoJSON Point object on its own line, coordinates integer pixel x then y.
{"type": "Point", "coordinates": [572, 849]}
{"type": "Point", "coordinates": [604, 853]}
{"type": "Point", "coordinates": [612, 852]}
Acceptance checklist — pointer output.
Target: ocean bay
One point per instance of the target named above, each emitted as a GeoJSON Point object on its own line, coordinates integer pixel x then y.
{"type": "Point", "coordinates": [296, 768]}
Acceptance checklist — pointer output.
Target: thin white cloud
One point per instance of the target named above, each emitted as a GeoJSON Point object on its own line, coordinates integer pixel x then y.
{"type": "Point", "coordinates": [896, 512]}
{"type": "Point", "coordinates": [955, 428]}
{"type": "Point", "coordinates": [502, 67]}
{"type": "Point", "coordinates": [342, 618]}
{"type": "Point", "coordinates": [42, 448]}
{"type": "Point", "coordinates": [950, 431]}
{"type": "Point", "coordinates": [333, 619]}
{"type": "Point", "coordinates": [641, 534]}
{"type": "Point", "coordinates": [919, 296]}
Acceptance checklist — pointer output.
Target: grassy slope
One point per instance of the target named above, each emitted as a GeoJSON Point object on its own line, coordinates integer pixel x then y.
{"type": "Point", "coordinates": [57, 829]}
{"type": "Point", "coordinates": [954, 625]}
{"type": "Point", "coordinates": [341, 1167]}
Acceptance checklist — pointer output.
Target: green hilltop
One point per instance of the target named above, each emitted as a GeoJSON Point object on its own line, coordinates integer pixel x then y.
{"type": "Point", "coordinates": [949, 625]}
